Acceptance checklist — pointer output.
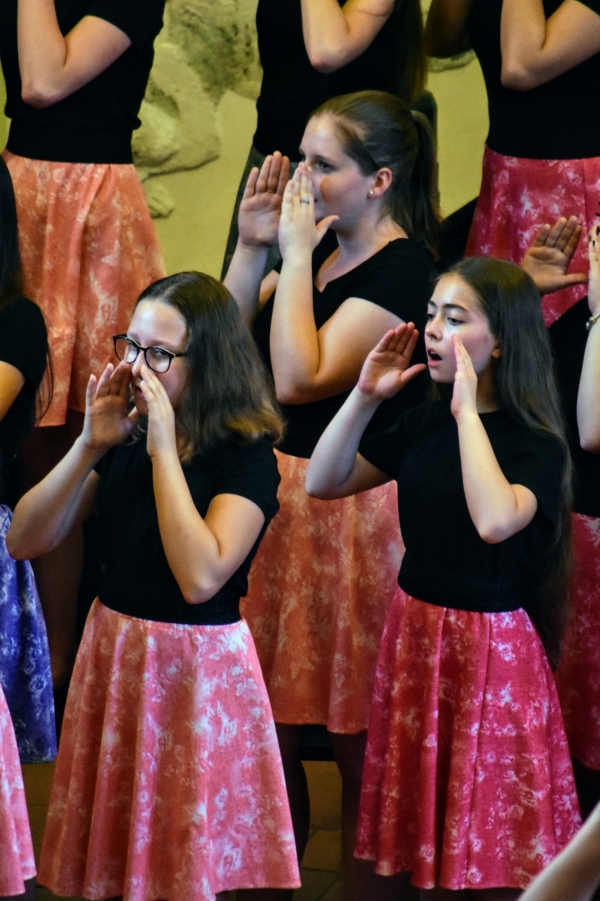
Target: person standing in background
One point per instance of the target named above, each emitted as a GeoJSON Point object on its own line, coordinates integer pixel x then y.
{"type": "Point", "coordinates": [76, 72]}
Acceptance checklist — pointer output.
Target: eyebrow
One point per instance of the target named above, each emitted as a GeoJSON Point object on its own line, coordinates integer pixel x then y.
{"type": "Point", "coordinates": [448, 306]}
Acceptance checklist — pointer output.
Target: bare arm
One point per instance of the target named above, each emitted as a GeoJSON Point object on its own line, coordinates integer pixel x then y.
{"type": "Point", "coordinates": [11, 382]}
{"type": "Point", "coordinates": [46, 514]}
{"type": "Point", "coordinates": [446, 27]}
{"type": "Point", "coordinates": [310, 364]}
{"type": "Point", "coordinates": [588, 398]}
{"type": "Point", "coordinates": [575, 873]}
{"type": "Point", "coordinates": [258, 221]}
{"type": "Point", "coordinates": [334, 35]}
{"type": "Point", "coordinates": [497, 508]}
{"type": "Point", "coordinates": [535, 49]}
{"type": "Point", "coordinates": [202, 552]}
{"type": "Point", "coordinates": [53, 66]}
{"type": "Point", "coordinates": [336, 469]}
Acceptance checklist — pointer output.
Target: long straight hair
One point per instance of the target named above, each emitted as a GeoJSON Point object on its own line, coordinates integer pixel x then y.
{"type": "Point", "coordinates": [378, 130]}
{"type": "Point", "coordinates": [526, 387]}
{"type": "Point", "coordinates": [228, 392]}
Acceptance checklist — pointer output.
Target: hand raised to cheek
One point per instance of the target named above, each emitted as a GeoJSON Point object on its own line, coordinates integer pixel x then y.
{"type": "Point", "coordinates": [464, 395]}
{"type": "Point", "coordinates": [162, 437]}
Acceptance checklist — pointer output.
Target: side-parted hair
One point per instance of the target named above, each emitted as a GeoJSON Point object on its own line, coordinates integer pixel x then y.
{"type": "Point", "coordinates": [378, 130]}
{"type": "Point", "coordinates": [229, 392]}
{"type": "Point", "coordinates": [526, 387]}
{"type": "Point", "coordinates": [410, 59]}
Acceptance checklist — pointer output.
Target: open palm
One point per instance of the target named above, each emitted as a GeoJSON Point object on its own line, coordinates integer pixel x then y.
{"type": "Point", "coordinates": [387, 368]}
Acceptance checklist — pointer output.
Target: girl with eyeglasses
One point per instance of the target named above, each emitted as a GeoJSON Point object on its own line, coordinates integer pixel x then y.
{"type": "Point", "coordinates": [168, 782]}
{"type": "Point", "coordinates": [468, 784]}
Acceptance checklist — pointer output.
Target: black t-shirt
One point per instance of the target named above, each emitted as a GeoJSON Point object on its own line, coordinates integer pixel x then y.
{"type": "Point", "coordinates": [446, 562]}
{"type": "Point", "coordinates": [292, 89]}
{"type": "Point", "coordinates": [94, 124]}
{"type": "Point", "coordinates": [569, 336]}
{"type": "Point", "coordinates": [23, 344]}
{"type": "Point", "coordinates": [557, 120]}
{"type": "Point", "coordinates": [397, 278]}
{"type": "Point", "coordinates": [137, 579]}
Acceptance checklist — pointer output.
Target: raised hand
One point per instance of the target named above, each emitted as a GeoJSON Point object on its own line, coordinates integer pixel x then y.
{"type": "Point", "coordinates": [387, 369]}
{"type": "Point", "coordinates": [297, 228]}
{"type": "Point", "coordinates": [162, 437]}
{"type": "Point", "coordinates": [550, 255]}
{"type": "Point", "coordinates": [464, 395]}
{"type": "Point", "coordinates": [107, 421]}
{"type": "Point", "coordinates": [260, 209]}
{"type": "Point", "coordinates": [594, 280]}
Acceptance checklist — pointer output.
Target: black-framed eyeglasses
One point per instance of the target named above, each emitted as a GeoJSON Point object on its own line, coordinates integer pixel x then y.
{"type": "Point", "coordinates": [157, 358]}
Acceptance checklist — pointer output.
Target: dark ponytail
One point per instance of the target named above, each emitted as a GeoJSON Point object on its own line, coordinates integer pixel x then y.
{"type": "Point", "coordinates": [378, 130]}
{"type": "Point", "coordinates": [410, 60]}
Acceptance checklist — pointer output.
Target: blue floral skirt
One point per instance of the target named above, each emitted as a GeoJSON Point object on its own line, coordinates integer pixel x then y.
{"type": "Point", "coordinates": [24, 656]}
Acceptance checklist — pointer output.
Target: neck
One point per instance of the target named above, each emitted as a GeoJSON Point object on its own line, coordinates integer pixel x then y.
{"type": "Point", "coordinates": [487, 397]}
{"type": "Point", "coordinates": [367, 237]}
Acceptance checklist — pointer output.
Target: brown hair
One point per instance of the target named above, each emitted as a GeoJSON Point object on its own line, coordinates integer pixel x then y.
{"type": "Point", "coordinates": [229, 392]}
{"type": "Point", "coordinates": [410, 60]}
{"type": "Point", "coordinates": [378, 130]}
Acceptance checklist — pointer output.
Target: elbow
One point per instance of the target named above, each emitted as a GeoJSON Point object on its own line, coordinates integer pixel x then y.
{"type": "Point", "coordinates": [324, 62]}
{"type": "Point", "coordinates": [39, 94]}
{"type": "Point", "coordinates": [17, 549]}
{"type": "Point", "coordinates": [590, 443]}
{"type": "Point", "coordinates": [517, 78]}
{"type": "Point", "coordinates": [201, 591]}
{"type": "Point", "coordinates": [290, 395]}
{"type": "Point", "coordinates": [494, 532]}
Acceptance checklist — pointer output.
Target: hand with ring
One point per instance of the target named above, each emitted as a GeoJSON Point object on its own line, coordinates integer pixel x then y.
{"type": "Point", "coordinates": [298, 233]}
{"type": "Point", "coordinates": [260, 209]}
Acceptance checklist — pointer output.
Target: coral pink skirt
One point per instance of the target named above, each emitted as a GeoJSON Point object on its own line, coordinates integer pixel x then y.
{"type": "Point", "coordinates": [320, 587]}
{"type": "Point", "coordinates": [89, 249]}
{"type": "Point", "coordinates": [518, 196]}
{"type": "Point", "coordinates": [16, 851]}
{"type": "Point", "coordinates": [467, 780]}
{"type": "Point", "coordinates": [168, 780]}
{"type": "Point", "coordinates": [578, 674]}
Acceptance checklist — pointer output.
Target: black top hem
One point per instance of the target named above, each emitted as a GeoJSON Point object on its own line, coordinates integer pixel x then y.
{"type": "Point", "coordinates": [69, 145]}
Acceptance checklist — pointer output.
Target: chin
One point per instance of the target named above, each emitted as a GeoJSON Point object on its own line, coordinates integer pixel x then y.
{"type": "Point", "coordinates": [440, 377]}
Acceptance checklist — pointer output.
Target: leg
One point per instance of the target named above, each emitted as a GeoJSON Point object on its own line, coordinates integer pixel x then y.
{"type": "Point", "coordinates": [58, 573]}
{"type": "Point", "coordinates": [297, 789]}
{"type": "Point", "coordinates": [359, 878]}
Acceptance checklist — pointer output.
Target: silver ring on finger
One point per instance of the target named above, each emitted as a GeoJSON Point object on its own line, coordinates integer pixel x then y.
{"type": "Point", "coordinates": [304, 201]}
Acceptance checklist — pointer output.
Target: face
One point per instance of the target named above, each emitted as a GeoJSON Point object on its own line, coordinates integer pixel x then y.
{"type": "Point", "coordinates": [340, 187]}
{"type": "Point", "coordinates": [455, 309]}
{"type": "Point", "coordinates": [156, 324]}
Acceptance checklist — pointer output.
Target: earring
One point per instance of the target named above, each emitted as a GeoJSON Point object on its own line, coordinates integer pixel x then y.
{"type": "Point", "coordinates": [371, 192]}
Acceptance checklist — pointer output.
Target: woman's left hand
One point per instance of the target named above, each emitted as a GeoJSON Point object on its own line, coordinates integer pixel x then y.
{"type": "Point", "coordinates": [464, 396]}
{"type": "Point", "coordinates": [162, 437]}
{"type": "Point", "coordinates": [298, 232]}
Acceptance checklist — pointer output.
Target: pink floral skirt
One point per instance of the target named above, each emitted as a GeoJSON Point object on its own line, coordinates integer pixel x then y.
{"type": "Point", "coordinates": [16, 850]}
{"type": "Point", "coordinates": [320, 587]}
{"type": "Point", "coordinates": [578, 674]}
{"type": "Point", "coordinates": [518, 196]}
{"type": "Point", "coordinates": [467, 780]}
{"type": "Point", "coordinates": [168, 780]}
{"type": "Point", "coordinates": [89, 249]}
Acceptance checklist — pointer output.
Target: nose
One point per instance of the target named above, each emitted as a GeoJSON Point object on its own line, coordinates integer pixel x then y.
{"type": "Point", "coordinates": [136, 366]}
{"type": "Point", "coordinates": [433, 327]}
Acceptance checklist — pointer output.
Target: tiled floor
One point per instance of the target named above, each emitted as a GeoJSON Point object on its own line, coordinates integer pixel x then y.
{"type": "Point", "coordinates": [322, 860]}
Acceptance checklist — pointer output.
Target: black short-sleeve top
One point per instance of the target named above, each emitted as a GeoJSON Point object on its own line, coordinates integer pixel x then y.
{"type": "Point", "coordinates": [569, 336]}
{"type": "Point", "coordinates": [292, 89]}
{"type": "Point", "coordinates": [446, 562]}
{"type": "Point", "coordinates": [557, 120]}
{"type": "Point", "coordinates": [137, 579]}
{"type": "Point", "coordinates": [94, 124]}
{"type": "Point", "coordinates": [24, 345]}
{"type": "Point", "coordinates": [397, 278]}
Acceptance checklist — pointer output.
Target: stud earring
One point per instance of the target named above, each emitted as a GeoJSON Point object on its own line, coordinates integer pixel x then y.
{"type": "Point", "coordinates": [371, 192]}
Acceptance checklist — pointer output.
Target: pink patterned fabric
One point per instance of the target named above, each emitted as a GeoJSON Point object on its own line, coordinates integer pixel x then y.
{"type": "Point", "coordinates": [89, 249]}
{"type": "Point", "coordinates": [320, 587]}
{"type": "Point", "coordinates": [520, 195]}
{"type": "Point", "coordinates": [16, 851]}
{"type": "Point", "coordinates": [467, 780]}
{"type": "Point", "coordinates": [578, 674]}
{"type": "Point", "coordinates": [168, 780]}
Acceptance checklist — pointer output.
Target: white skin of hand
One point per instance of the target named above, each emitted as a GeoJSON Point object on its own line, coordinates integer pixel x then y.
{"type": "Point", "coordinates": [594, 280]}
{"type": "Point", "coordinates": [162, 436]}
{"type": "Point", "coordinates": [260, 209]}
{"type": "Point", "coordinates": [387, 369]}
{"type": "Point", "coordinates": [298, 231]}
{"type": "Point", "coordinates": [107, 421]}
{"type": "Point", "coordinates": [550, 255]}
{"type": "Point", "coordinates": [464, 395]}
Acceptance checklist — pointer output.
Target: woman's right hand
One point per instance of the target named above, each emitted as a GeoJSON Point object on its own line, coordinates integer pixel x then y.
{"type": "Point", "coordinates": [107, 421]}
{"type": "Point", "coordinates": [298, 232]}
{"type": "Point", "coordinates": [260, 209]}
{"type": "Point", "coordinates": [387, 369]}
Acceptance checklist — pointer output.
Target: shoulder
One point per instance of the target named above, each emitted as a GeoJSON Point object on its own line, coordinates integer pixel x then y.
{"type": "Point", "coordinates": [23, 338]}
{"type": "Point", "coordinates": [398, 278]}
{"type": "Point", "coordinates": [246, 468]}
